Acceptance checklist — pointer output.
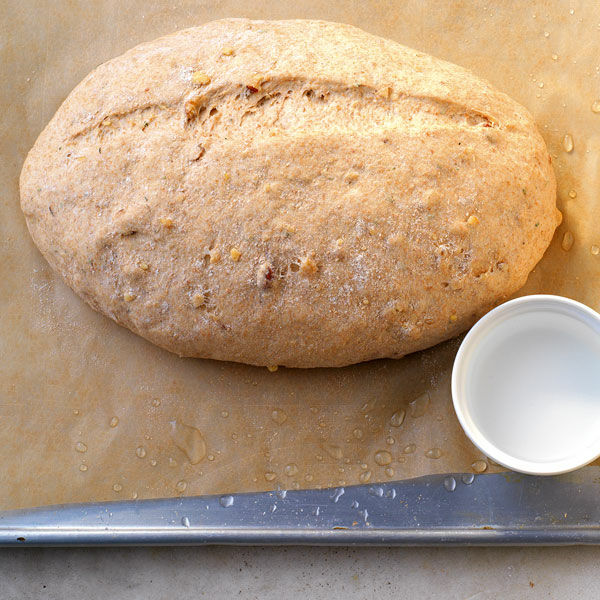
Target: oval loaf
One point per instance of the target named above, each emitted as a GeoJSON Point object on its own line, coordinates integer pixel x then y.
{"type": "Point", "coordinates": [297, 193]}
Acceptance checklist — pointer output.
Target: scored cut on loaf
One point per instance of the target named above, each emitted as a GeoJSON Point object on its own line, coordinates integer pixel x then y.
{"type": "Point", "coordinates": [296, 193]}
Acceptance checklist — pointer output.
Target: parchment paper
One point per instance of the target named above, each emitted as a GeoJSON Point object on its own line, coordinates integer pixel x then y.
{"type": "Point", "coordinates": [89, 411]}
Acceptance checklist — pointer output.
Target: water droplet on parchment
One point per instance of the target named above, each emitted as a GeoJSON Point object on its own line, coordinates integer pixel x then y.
{"type": "Point", "coordinates": [433, 453]}
{"type": "Point", "coordinates": [189, 440]}
{"type": "Point", "coordinates": [181, 485]}
{"type": "Point", "coordinates": [226, 501]}
{"type": "Point", "coordinates": [80, 447]}
{"type": "Point", "coordinates": [572, 194]}
{"type": "Point", "coordinates": [419, 406]}
{"type": "Point", "coordinates": [596, 106]}
{"type": "Point", "coordinates": [117, 487]}
{"type": "Point", "coordinates": [333, 450]}
{"type": "Point", "coordinates": [156, 402]}
{"type": "Point", "coordinates": [390, 440]}
{"type": "Point", "coordinates": [479, 466]}
{"type": "Point", "coordinates": [450, 484]}
{"type": "Point", "coordinates": [278, 416]}
{"type": "Point", "coordinates": [397, 418]}
{"type": "Point", "coordinates": [567, 241]}
{"type": "Point", "coordinates": [270, 476]}
{"type": "Point", "coordinates": [83, 468]}
{"type": "Point", "coordinates": [140, 452]}
{"type": "Point", "coordinates": [357, 433]}
{"type": "Point", "coordinates": [114, 421]}
{"type": "Point", "coordinates": [389, 472]}
{"type": "Point", "coordinates": [365, 476]}
{"type": "Point", "coordinates": [409, 448]}
{"type": "Point", "coordinates": [224, 414]}
{"type": "Point", "coordinates": [291, 469]}
{"type": "Point", "coordinates": [76, 412]}
{"type": "Point", "coordinates": [383, 457]}
{"type": "Point", "coordinates": [153, 462]}
{"type": "Point", "coordinates": [309, 477]}
{"type": "Point", "coordinates": [567, 143]}
{"type": "Point", "coordinates": [595, 250]}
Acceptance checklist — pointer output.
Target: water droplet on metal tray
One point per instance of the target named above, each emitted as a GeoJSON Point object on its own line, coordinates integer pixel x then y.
{"type": "Point", "coordinates": [316, 511]}
{"type": "Point", "coordinates": [354, 504]}
{"type": "Point", "coordinates": [338, 493]}
{"type": "Point", "coordinates": [433, 453]}
{"type": "Point", "coordinates": [567, 143]}
{"type": "Point", "coordinates": [383, 457]}
{"type": "Point", "coordinates": [81, 447]}
{"type": "Point", "coordinates": [185, 521]}
{"type": "Point", "coordinates": [468, 478]}
{"type": "Point", "coordinates": [398, 418]}
{"type": "Point", "coordinates": [140, 452]}
{"type": "Point", "coordinates": [376, 491]}
{"type": "Point", "coordinates": [450, 484]}
{"type": "Point", "coordinates": [226, 501]}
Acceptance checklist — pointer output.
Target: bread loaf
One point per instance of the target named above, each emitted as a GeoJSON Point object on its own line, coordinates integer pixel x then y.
{"type": "Point", "coordinates": [295, 193]}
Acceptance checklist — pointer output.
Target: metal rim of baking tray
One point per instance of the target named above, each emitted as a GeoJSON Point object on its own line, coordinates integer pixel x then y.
{"type": "Point", "coordinates": [453, 509]}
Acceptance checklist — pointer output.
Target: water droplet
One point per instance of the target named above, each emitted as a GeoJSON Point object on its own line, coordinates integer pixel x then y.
{"type": "Point", "coordinates": [468, 478]}
{"type": "Point", "coordinates": [555, 57]}
{"type": "Point", "coordinates": [114, 421]}
{"type": "Point", "coordinates": [140, 452]}
{"type": "Point", "coordinates": [572, 11]}
{"type": "Point", "coordinates": [376, 491]}
{"type": "Point", "coordinates": [479, 466]}
{"type": "Point", "coordinates": [153, 462]}
{"type": "Point", "coordinates": [567, 241]}
{"type": "Point", "coordinates": [224, 414]}
{"type": "Point", "coordinates": [450, 484]}
{"type": "Point", "coordinates": [309, 477]}
{"type": "Point", "coordinates": [546, 34]}
{"type": "Point", "coordinates": [172, 462]}
{"type": "Point", "coordinates": [397, 418]}
{"type": "Point", "coordinates": [365, 476]}
{"type": "Point", "coordinates": [419, 406]}
{"type": "Point", "coordinates": [278, 416]}
{"type": "Point", "coordinates": [281, 494]}
{"type": "Point", "coordinates": [316, 511]}
{"type": "Point", "coordinates": [189, 440]}
{"type": "Point", "coordinates": [270, 476]}
{"type": "Point", "coordinates": [295, 485]}
{"type": "Point", "coordinates": [383, 457]}
{"type": "Point", "coordinates": [76, 412]}
{"type": "Point", "coordinates": [391, 493]}
{"type": "Point", "coordinates": [333, 451]}
{"type": "Point", "coordinates": [339, 492]}
{"type": "Point", "coordinates": [572, 194]}
{"type": "Point", "coordinates": [185, 521]}
{"type": "Point", "coordinates": [541, 84]}
{"type": "Point", "coordinates": [80, 447]}
{"type": "Point", "coordinates": [291, 469]}
{"type": "Point", "coordinates": [211, 457]}
{"type": "Point", "coordinates": [596, 106]}
{"type": "Point", "coordinates": [567, 143]}
{"type": "Point", "coordinates": [390, 440]}
{"type": "Point", "coordinates": [364, 514]}
{"type": "Point", "coordinates": [273, 508]}
{"type": "Point", "coordinates": [156, 402]}
{"type": "Point", "coordinates": [134, 495]}
{"type": "Point", "coordinates": [226, 501]}
{"type": "Point", "coordinates": [595, 250]}
{"type": "Point", "coordinates": [409, 449]}
{"type": "Point", "coordinates": [117, 487]}
{"type": "Point", "coordinates": [83, 468]}
{"type": "Point", "coordinates": [389, 472]}
{"type": "Point", "coordinates": [433, 453]}
{"type": "Point", "coordinates": [357, 433]}
{"type": "Point", "coordinates": [181, 485]}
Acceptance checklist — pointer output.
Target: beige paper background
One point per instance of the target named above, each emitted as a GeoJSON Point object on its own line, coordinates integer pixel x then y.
{"type": "Point", "coordinates": [66, 371]}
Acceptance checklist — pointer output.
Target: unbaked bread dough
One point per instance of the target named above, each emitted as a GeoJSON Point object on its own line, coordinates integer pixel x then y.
{"type": "Point", "coordinates": [297, 193]}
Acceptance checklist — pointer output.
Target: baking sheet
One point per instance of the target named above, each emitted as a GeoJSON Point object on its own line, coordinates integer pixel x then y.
{"type": "Point", "coordinates": [90, 412]}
